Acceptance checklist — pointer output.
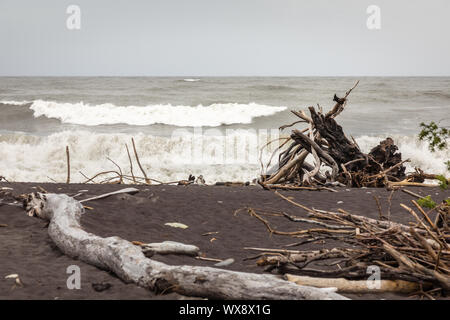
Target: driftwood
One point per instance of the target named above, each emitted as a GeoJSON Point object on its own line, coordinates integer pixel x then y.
{"type": "Point", "coordinates": [326, 141]}
{"type": "Point", "coordinates": [418, 254]}
{"type": "Point", "coordinates": [102, 196]}
{"type": "Point", "coordinates": [147, 180]}
{"type": "Point", "coordinates": [355, 286]}
{"type": "Point", "coordinates": [168, 247]}
{"type": "Point", "coordinates": [129, 263]}
{"type": "Point", "coordinates": [68, 164]}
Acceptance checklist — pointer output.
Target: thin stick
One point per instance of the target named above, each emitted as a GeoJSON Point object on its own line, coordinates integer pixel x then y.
{"type": "Point", "coordinates": [328, 226]}
{"type": "Point", "coordinates": [68, 164]}
{"type": "Point", "coordinates": [118, 167]}
{"type": "Point", "coordinates": [52, 179]}
{"type": "Point", "coordinates": [99, 174]}
{"type": "Point", "coordinates": [273, 250]}
{"type": "Point", "coordinates": [338, 107]}
{"type": "Point", "coordinates": [390, 205]}
{"type": "Point", "coordinates": [295, 203]}
{"type": "Point", "coordinates": [208, 259]}
{"type": "Point", "coordinates": [412, 193]}
{"type": "Point", "coordinates": [147, 181]}
{"type": "Point", "coordinates": [126, 190]}
{"type": "Point", "coordinates": [131, 163]}
{"type": "Point", "coordinates": [379, 207]}
{"type": "Point", "coordinates": [382, 173]}
{"type": "Point", "coordinates": [425, 215]}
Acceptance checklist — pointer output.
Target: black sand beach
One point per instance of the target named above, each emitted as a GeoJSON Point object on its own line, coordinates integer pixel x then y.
{"type": "Point", "coordinates": [209, 213]}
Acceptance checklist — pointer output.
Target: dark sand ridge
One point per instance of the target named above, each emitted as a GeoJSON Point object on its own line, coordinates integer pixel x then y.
{"type": "Point", "coordinates": [27, 250]}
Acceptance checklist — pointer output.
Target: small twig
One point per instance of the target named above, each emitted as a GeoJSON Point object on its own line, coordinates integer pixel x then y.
{"type": "Point", "coordinates": [118, 167]}
{"type": "Point", "coordinates": [99, 174]}
{"type": "Point", "coordinates": [208, 259]}
{"type": "Point", "coordinates": [390, 204]}
{"type": "Point", "coordinates": [379, 175]}
{"type": "Point", "coordinates": [329, 226]}
{"type": "Point", "coordinates": [131, 163]}
{"type": "Point", "coordinates": [147, 181]}
{"type": "Point", "coordinates": [379, 207]}
{"type": "Point", "coordinates": [68, 164]}
{"type": "Point", "coordinates": [425, 215]}
{"type": "Point", "coordinates": [412, 193]}
{"type": "Point", "coordinates": [126, 190]}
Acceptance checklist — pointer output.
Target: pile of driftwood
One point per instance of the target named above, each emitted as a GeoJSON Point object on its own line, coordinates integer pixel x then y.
{"type": "Point", "coordinates": [409, 258]}
{"type": "Point", "coordinates": [325, 141]}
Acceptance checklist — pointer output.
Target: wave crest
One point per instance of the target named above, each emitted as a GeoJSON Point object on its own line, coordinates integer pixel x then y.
{"type": "Point", "coordinates": [214, 115]}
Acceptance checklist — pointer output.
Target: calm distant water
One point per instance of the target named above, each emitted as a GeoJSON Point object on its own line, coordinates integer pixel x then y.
{"type": "Point", "coordinates": [95, 116]}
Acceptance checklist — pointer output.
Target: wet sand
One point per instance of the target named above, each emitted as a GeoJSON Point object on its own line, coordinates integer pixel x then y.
{"type": "Point", "coordinates": [213, 226]}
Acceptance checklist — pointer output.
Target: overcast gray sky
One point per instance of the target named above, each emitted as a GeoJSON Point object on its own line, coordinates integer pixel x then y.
{"type": "Point", "coordinates": [225, 38]}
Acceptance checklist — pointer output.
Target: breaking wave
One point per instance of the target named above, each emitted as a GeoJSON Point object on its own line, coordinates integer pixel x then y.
{"type": "Point", "coordinates": [213, 115]}
{"type": "Point", "coordinates": [14, 103]}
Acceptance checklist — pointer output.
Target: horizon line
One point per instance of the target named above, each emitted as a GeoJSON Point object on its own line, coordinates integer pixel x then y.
{"type": "Point", "coordinates": [224, 76]}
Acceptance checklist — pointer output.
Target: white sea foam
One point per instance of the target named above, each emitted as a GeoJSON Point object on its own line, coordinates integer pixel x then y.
{"type": "Point", "coordinates": [183, 116]}
{"type": "Point", "coordinates": [216, 157]}
{"type": "Point", "coordinates": [191, 80]}
{"type": "Point", "coordinates": [41, 158]}
{"type": "Point", "coordinates": [14, 103]}
{"type": "Point", "coordinates": [412, 148]}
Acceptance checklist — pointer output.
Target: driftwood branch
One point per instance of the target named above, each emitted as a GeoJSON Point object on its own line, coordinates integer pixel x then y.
{"type": "Point", "coordinates": [356, 286]}
{"type": "Point", "coordinates": [68, 164]}
{"type": "Point", "coordinates": [147, 180]}
{"type": "Point", "coordinates": [126, 190]}
{"type": "Point", "coordinates": [168, 247]}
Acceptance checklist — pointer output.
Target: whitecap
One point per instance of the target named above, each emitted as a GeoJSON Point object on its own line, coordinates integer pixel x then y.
{"type": "Point", "coordinates": [179, 115]}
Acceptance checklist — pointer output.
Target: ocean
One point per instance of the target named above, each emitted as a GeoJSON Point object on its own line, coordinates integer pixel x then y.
{"type": "Point", "coordinates": [213, 127]}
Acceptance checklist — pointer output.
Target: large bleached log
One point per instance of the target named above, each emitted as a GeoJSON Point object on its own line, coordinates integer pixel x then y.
{"type": "Point", "coordinates": [129, 263]}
